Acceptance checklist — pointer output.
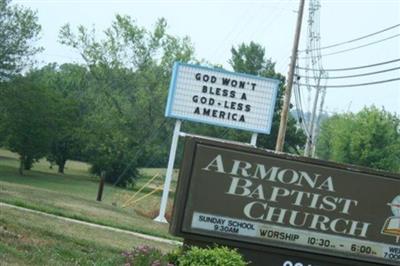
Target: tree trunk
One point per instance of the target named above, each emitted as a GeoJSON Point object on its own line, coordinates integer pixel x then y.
{"type": "Point", "coordinates": [28, 163]}
{"type": "Point", "coordinates": [21, 165]}
{"type": "Point", "coordinates": [61, 167]}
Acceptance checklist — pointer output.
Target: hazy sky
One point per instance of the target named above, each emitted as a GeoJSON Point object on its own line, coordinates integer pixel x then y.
{"type": "Point", "coordinates": [214, 26]}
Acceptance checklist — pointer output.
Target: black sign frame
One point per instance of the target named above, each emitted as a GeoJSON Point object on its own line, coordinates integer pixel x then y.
{"type": "Point", "coordinates": [253, 251]}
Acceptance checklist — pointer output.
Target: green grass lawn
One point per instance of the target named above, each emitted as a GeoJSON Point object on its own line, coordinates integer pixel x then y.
{"type": "Point", "coordinates": [34, 239]}
{"type": "Point", "coordinates": [73, 195]}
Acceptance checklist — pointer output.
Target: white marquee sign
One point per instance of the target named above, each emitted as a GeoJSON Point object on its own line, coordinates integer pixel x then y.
{"type": "Point", "coordinates": [222, 98]}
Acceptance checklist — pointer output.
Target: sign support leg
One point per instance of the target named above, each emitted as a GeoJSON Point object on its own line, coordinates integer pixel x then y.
{"type": "Point", "coordinates": [253, 140]}
{"type": "Point", "coordinates": [168, 177]}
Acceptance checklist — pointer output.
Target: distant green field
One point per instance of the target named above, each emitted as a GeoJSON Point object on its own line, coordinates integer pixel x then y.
{"type": "Point", "coordinates": [73, 195]}
{"type": "Point", "coordinates": [8, 158]}
{"type": "Point", "coordinates": [34, 239]}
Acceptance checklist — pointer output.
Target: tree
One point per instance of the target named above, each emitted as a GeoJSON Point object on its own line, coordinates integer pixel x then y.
{"type": "Point", "coordinates": [69, 83]}
{"type": "Point", "coordinates": [19, 29]}
{"type": "Point", "coordinates": [251, 59]}
{"type": "Point", "coordinates": [129, 75]}
{"type": "Point", "coordinates": [26, 119]}
{"type": "Point", "coordinates": [369, 138]}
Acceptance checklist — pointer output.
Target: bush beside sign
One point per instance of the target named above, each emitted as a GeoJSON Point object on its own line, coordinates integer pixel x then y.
{"type": "Point", "coordinates": [237, 193]}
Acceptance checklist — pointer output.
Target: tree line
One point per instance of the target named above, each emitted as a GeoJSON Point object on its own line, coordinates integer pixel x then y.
{"type": "Point", "coordinates": [109, 110]}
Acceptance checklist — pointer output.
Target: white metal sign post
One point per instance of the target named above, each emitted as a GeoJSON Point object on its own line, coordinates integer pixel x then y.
{"type": "Point", "coordinates": [253, 140]}
{"type": "Point", "coordinates": [217, 97]}
{"type": "Point", "coordinates": [168, 175]}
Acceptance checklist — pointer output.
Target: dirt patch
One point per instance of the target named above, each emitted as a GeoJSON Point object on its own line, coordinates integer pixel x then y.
{"type": "Point", "coordinates": [6, 233]}
{"type": "Point", "coordinates": [153, 213]}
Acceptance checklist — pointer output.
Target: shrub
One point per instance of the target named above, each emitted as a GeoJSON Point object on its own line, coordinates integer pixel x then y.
{"type": "Point", "coordinates": [174, 255]}
{"type": "Point", "coordinates": [145, 256]}
{"type": "Point", "coordinates": [217, 256]}
{"type": "Point", "coordinates": [118, 171]}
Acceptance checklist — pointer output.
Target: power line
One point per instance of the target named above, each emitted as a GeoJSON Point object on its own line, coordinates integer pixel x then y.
{"type": "Point", "coordinates": [357, 47]}
{"type": "Point", "coordinates": [354, 76]}
{"type": "Point", "coordinates": [143, 141]}
{"type": "Point", "coordinates": [300, 113]}
{"type": "Point", "coordinates": [354, 85]}
{"type": "Point", "coordinates": [228, 36]}
{"type": "Point", "coordinates": [353, 68]}
{"type": "Point", "coordinates": [353, 40]}
{"type": "Point", "coordinates": [272, 18]}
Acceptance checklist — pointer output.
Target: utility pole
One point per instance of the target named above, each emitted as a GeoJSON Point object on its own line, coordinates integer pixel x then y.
{"type": "Point", "coordinates": [315, 77]}
{"type": "Point", "coordinates": [311, 130]}
{"type": "Point", "coordinates": [317, 128]}
{"type": "Point", "coordinates": [288, 92]}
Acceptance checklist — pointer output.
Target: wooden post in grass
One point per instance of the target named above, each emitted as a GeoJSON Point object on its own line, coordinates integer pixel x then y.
{"type": "Point", "coordinates": [101, 185]}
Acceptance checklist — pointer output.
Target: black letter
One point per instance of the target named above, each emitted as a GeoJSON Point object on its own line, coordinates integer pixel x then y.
{"type": "Point", "coordinates": [225, 81]}
{"type": "Point", "coordinates": [206, 111]}
{"type": "Point", "coordinates": [214, 113]}
{"type": "Point", "coordinates": [234, 83]}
